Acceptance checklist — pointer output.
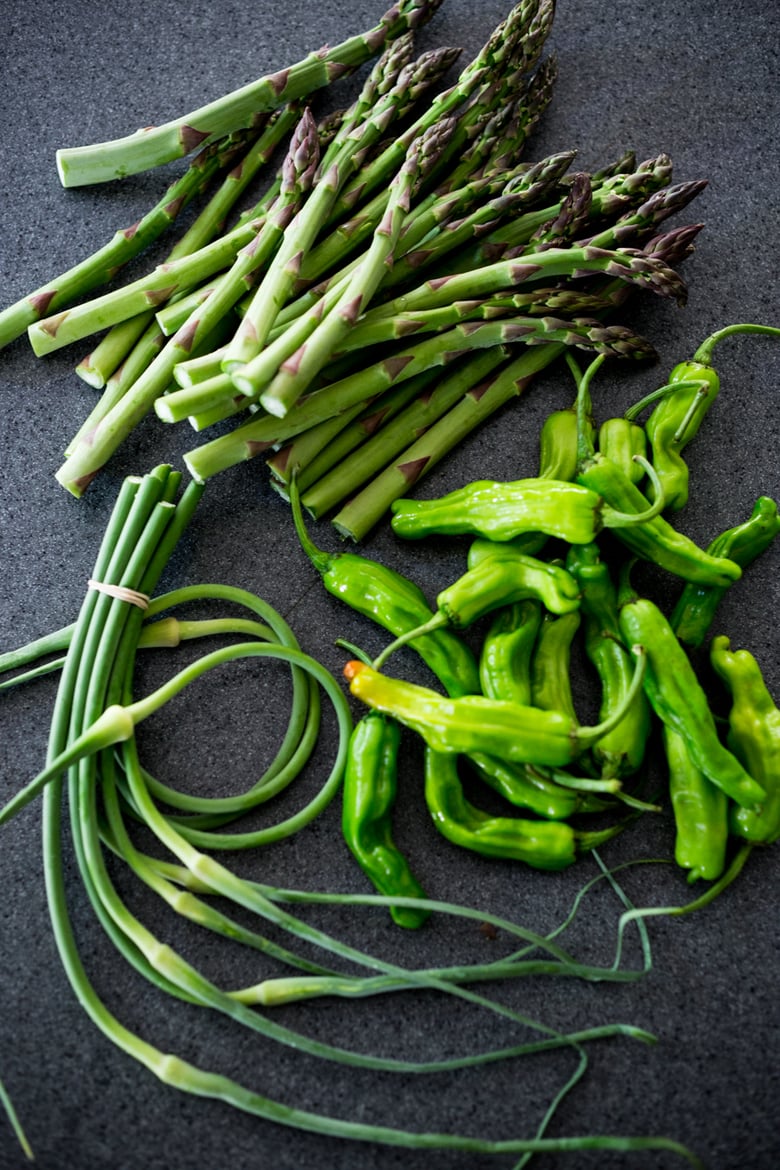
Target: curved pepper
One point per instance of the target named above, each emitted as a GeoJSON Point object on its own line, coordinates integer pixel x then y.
{"type": "Point", "coordinates": [393, 602]}
{"type": "Point", "coordinates": [505, 657]}
{"type": "Point", "coordinates": [548, 845]}
{"type": "Point", "coordinates": [550, 665]}
{"type": "Point", "coordinates": [503, 510]}
{"type": "Point", "coordinates": [700, 813]}
{"type": "Point", "coordinates": [693, 387]}
{"type": "Point", "coordinates": [622, 751]}
{"type": "Point", "coordinates": [495, 580]}
{"type": "Point", "coordinates": [620, 440]}
{"type": "Point", "coordinates": [369, 791]}
{"type": "Point", "coordinates": [527, 787]}
{"type": "Point", "coordinates": [472, 723]}
{"type": "Point", "coordinates": [754, 736]}
{"type": "Point", "coordinates": [695, 610]}
{"type": "Point", "coordinates": [675, 421]}
{"type": "Point", "coordinates": [654, 540]}
{"type": "Point", "coordinates": [679, 701]}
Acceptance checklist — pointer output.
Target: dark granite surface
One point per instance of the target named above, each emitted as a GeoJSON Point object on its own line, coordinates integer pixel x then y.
{"type": "Point", "coordinates": [698, 81]}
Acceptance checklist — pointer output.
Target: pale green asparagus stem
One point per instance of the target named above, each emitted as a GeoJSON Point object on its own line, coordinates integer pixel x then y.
{"type": "Point", "coordinates": [161, 144]}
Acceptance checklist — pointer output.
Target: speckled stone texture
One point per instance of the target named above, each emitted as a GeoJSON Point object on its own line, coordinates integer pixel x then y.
{"type": "Point", "coordinates": [699, 82]}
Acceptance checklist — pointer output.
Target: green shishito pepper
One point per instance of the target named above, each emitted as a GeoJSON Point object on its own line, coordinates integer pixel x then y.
{"type": "Point", "coordinates": [754, 736]}
{"type": "Point", "coordinates": [497, 576]}
{"type": "Point", "coordinates": [474, 723]}
{"type": "Point", "coordinates": [679, 701]}
{"type": "Point", "coordinates": [695, 610]}
{"type": "Point", "coordinates": [620, 440]}
{"type": "Point", "coordinates": [505, 656]}
{"type": "Point", "coordinates": [369, 792]}
{"type": "Point", "coordinates": [551, 664]}
{"type": "Point", "coordinates": [393, 602]}
{"type": "Point", "coordinates": [700, 813]}
{"type": "Point", "coordinates": [548, 845]}
{"type": "Point", "coordinates": [622, 751]}
{"type": "Point", "coordinates": [655, 539]}
{"type": "Point", "coordinates": [602, 497]}
{"type": "Point", "coordinates": [683, 403]}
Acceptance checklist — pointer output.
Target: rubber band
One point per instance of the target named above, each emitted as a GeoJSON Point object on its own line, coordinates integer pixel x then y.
{"type": "Point", "coordinates": [121, 593]}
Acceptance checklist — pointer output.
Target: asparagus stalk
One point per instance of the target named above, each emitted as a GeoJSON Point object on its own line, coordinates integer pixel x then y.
{"type": "Point", "coordinates": [314, 451]}
{"type": "Point", "coordinates": [102, 265]}
{"type": "Point", "coordinates": [101, 363]}
{"type": "Point", "coordinates": [257, 435]}
{"type": "Point", "coordinates": [343, 480]}
{"type": "Point", "coordinates": [297, 372]}
{"type": "Point", "coordinates": [281, 276]}
{"type": "Point", "coordinates": [174, 139]}
{"type": "Point", "coordinates": [519, 39]}
{"type": "Point", "coordinates": [363, 511]}
{"type": "Point", "coordinates": [92, 449]}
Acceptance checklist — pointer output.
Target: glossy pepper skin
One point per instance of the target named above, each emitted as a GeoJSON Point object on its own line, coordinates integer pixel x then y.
{"type": "Point", "coordinates": [393, 602]}
{"type": "Point", "coordinates": [754, 736]}
{"type": "Point", "coordinates": [369, 792]}
{"type": "Point", "coordinates": [504, 510]}
{"type": "Point", "coordinates": [548, 845]}
{"type": "Point", "coordinates": [551, 662]}
{"type": "Point", "coordinates": [503, 576]}
{"type": "Point", "coordinates": [654, 540]}
{"type": "Point", "coordinates": [700, 813]}
{"type": "Point", "coordinates": [620, 440]}
{"type": "Point", "coordinates": [679, 701]}
{"type": "Point", "coordinates": [674, 421]}
{"type": "Point", "coordinates": [525, 787]}
{"type": "Point", "coordinates": [505, 656]}
{"type": "Point", "coordinates": [695, 610]}
{"type": "Point", "coordinates": [558, 444]}
{"type": "Point", "coordinates": [473, 723]}
{"type": "Point", "coordinates": [621, 751]}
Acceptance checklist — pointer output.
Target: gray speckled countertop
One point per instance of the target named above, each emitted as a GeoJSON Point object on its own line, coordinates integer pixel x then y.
{"type": "Point", "coordinates": [700, 82]}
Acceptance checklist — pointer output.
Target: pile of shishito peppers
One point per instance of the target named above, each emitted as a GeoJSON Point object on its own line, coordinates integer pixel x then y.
{"type": "Point", "coordinates": [550, 562]}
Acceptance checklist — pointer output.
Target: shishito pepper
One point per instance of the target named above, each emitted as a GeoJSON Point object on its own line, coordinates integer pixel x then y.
{"type": "Point", "coordinates": [393, 602]}
{"type": "Point", "coordinates": [551, 664]}
{"type": "Point", "coordinates": [696, 606]}
{"type": "Point", "coordinates": [678, 699]}
{"type": "Point", "coordinates": [621, 440]}
{"type": "Point", "coordinates": [602, 497]}
{"type": "Point", "coordinates": [692, 388]}
{"type": "Point", "coordinates": [754, 736]}
{"type": "Point", "coordinates": [700, 813]}
{"type": "Point", "coordinates": [622, 751]}
{"type": "Point", "coordinates": [473, 723]}
{"type": "Point", "coordinates": [505, 655]}
{"type": "Point", "coordinates": [369, 792]}
{"type": "Point", "coordinates": [548, 845]}
{"type": "Point", "coordinates": [493, 580]}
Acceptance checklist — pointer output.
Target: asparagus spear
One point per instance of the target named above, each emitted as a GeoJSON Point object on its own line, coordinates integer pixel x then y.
{"type": "Point", "coordinates": [175, 139]}
{"type": "Point", "coordinates": [91, 452]}
{"type": "Point", "coordinates": [257, 435]}
{"type": "Point", "coordinates": [280, 278]}
{"type": "Point", "coordinates": [101, 363]}
{"type": "Point", "coordinates": [519, 39]}
{"type": "Point", "coordinates": [295, 374]}
{"type": "Point", "coordinates": [102, 265]}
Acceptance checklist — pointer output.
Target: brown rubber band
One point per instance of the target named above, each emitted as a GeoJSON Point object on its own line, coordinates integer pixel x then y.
{"type": "Point", "coordinates": [121, 593]}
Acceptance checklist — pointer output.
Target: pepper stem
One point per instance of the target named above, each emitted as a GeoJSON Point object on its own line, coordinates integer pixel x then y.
{"type": "Point", "coordinates": [615, 519]}
{"type": "Point", "coordinates": [321, 559]}
{"type": "Point", "coordinates": [438, 620]}
{"type": "Point", "coordinates": [587, 736]}
{"type": "Point", "coordinates": [697, 404]}
{"type": "Point", "coordinates": [704, 352]}
{"type": "Point", "coordinates": [584, 404]}
{"type": "Point", "coordinates": [633, 412]}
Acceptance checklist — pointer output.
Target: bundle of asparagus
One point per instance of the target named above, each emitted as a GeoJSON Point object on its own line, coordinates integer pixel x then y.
{"type": "Point", "coordinates": [402, 217]}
